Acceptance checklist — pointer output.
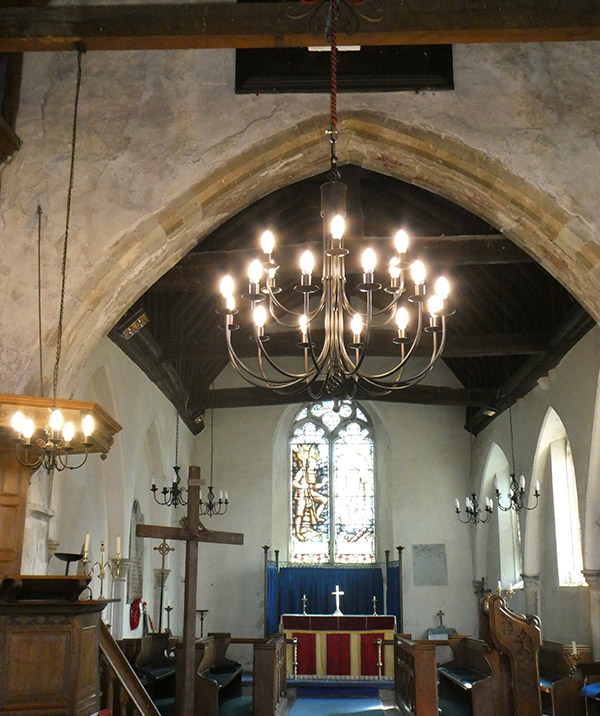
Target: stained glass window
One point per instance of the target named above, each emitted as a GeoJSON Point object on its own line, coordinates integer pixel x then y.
{"type": "Point", "coordinates": [332, 485]}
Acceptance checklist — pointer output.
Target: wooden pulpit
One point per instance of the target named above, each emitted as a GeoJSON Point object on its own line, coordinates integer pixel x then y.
{"type": "Point", "coordinates": [49, 647]}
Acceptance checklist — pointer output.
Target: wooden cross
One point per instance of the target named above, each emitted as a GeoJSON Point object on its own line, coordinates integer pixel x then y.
{"type": "Point", "coordinates": [441, 616]}
{"type": "Point", "coordinates": [337, 594]}
{"type": "Point", "coordinates": [191, 534]}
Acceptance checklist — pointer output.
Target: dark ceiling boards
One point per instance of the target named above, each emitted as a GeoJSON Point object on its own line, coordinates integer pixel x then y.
{"type": "Point", "coordinates": [513, 322]}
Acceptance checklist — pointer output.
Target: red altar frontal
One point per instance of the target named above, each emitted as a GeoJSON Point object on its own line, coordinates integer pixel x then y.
{"type": "Point", "coordinates": [340, 646]}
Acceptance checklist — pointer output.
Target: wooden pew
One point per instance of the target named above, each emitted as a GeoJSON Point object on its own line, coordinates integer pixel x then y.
{"type": "Point", "coordinates": [269, 683]}
{"type": "Point", "coordinates": [155, 666]}
{"type": "Point", "coordinates": [415, 676]}
{"type": "Point", "coordinates": [560, 688]}
{"type": "Point", "coordinates": [470, 678]}
{"type": "Point", "coordinates": [517, 640]}
{"type": "Point", "coordinates": [217, 677]}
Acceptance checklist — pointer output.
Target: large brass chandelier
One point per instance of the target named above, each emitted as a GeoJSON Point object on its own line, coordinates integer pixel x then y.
{"type": "Point", "coordinates": [336, 366]}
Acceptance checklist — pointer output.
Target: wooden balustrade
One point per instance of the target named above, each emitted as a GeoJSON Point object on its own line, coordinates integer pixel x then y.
{"type": "Point", "coordinates": [122, 691]}
{"type": "Point", "coordinates": [415, 679]}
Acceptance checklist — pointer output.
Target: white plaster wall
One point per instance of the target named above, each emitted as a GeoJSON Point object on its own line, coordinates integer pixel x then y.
{"type": "Point", "coordinates": [154, 123]}
{"type": "Point", "coordinates": [572, 394]}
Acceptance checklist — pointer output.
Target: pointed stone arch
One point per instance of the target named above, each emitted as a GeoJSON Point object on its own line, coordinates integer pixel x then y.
{"type": "Point", "coordinates": [562, 242]}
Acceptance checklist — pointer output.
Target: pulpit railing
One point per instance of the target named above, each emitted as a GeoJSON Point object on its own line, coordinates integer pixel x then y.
{"type": "Point", "coordinates": [122, 691]}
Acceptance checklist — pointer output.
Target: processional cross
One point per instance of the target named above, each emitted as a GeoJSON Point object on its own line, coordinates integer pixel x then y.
{"type": "Point", "coordinates": [163, 549]}
{"type": "Point", "coordinates": [192, 533]}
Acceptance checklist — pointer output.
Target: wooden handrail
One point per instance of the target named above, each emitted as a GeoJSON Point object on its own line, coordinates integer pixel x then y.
{"type": "Point", "coordinates": [126, 676]}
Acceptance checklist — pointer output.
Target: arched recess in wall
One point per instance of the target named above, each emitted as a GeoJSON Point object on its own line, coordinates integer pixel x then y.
{"type": "Point", "coordinates": [591, 542]}
{"type": "Point", "coordinates": [498, 543]}
{"type": "Point", "coordinates": [553, 469]}
{"type": "Point", "coordinates": [445, 165]}
{"type": "Point", "coordinates": [280, 487]}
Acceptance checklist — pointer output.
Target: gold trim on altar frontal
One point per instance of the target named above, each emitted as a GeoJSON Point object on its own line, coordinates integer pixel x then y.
{"type": "Point", "coordinates": [38, 409]}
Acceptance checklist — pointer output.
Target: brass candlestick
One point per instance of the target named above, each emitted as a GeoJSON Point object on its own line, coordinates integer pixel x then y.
{"type": "Point", "coordinates": [103, 565]}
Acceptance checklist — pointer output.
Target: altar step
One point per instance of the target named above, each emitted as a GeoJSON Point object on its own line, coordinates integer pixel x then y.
{"type": "Point", "coordinates": [338, 686]}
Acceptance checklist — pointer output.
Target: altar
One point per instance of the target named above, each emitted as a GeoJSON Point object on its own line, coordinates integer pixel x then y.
{"type": "Point", "coordinates": [340, 645]}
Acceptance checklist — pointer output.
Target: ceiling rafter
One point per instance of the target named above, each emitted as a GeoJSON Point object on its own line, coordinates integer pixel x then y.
{"type": "Point", "coordinates": [271, 24]}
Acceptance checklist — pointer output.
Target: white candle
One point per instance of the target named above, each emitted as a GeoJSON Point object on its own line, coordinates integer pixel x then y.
{"type": "Point", "coordinates": [457, 504]}
{"type": "Point", "coordinates": [118, 545]}
{"type": "Point", "coordinates": [499, 585]}
{"type": "Point", "coordinates": [510, 587]}
{"type": "Point", "coordinates": [537, 485]}
{"type": "Point", "coordinates": [86, 542]}
{"type": "Point", "coordinates": [522, 482]}
{"type": "Point", "coordinates": [574, 644]}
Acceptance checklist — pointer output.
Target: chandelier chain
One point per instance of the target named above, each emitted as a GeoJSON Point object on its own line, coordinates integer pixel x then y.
{"type": "Point", "coordinates": [512, 439]}
{"type": "Point", "coordinates": [331, 31]}
{"type": "Point", "coordinates": [39, 292]}
{"type": "Point", "coordinates": [212, 433]}
{"type": "Point", "coordinates": [176, 436]}
{"type": "Point", "coordinates": [80, 51]}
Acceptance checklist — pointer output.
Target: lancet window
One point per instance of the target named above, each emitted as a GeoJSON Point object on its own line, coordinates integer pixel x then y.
{"type": "Point", "coordinates": [332, 485]}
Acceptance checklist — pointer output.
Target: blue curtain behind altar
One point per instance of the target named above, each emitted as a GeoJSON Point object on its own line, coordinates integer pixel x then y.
{"type": "Point", "coordinates": [272, 616]}
{"type": "Point", "coordinates": [393, 584]}
{"type": "Point", "coordinates": [359, 585]}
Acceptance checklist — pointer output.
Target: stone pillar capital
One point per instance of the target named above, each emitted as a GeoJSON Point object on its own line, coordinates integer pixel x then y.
{"type": "Point", "coordinates": [531, 580]}
{"type": "Point", "coordinates": [592, 577]}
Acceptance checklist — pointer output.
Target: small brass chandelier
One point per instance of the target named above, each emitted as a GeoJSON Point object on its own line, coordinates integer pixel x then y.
{"type": "Point", "coordinates": [211, 506]}
{"type": "Point", "coordinates": [52, 452]}
{"type": "Point", "coordinates": [174, 495]}
{"type": "Point", "coordinates": [336, 367]}
{"type": "Point", "coordinates": [516, 489]}
{"type": "Point", "coordinates": [474, 515]}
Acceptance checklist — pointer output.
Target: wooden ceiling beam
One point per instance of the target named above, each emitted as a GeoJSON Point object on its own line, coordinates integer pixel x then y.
{"type": "Point", "coordinates": [416, 394]}
{"type": "Point", "coordinates": [569, 332]}
{"type": "Point", "coordinates": [202, 25]}
{"type": "Point", "coordinates": [285, 344]}
{"type": "Point", "coordinates": [198, 267]}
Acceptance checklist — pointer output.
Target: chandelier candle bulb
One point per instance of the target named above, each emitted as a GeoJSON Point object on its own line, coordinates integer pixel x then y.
{"type": "Point", "coordinates": [28, 429]}
{"type": "Point", "coordinates": [87, 426]}
{"type": "Point", "coordinates": [255, 272]}
{"type": "Point", "coordinates": [522, 483]}
{"type": "Point", "coordinates": [356, 326]}
{"type": "Point", "coordinates": [401, 242]}
{"type": "Point", "coordinates": [337, 227]}
{"type": "Point", "coordinates": [226, 286]}
{"type": "Point", "coordinates": [230, 304]}
{"type": "Point", "coordinates": [68, 432]}
{"type": "Point", "coordinates": [118, 546]}
{"type": "Point", "coordinates": [457, 504]}
{"type": "Point", "coordinates": [86, 543]}
{"type": "Point", "coordinates": [537, 488]}
{"type": "Point", "coordinates": [17, 421]}
{"type": "Point", "coordinates": [56, 421]}
{"type": "Point", "coordinates": [267, 242]}
{"type": "Point", "coordinates": [442, 288]}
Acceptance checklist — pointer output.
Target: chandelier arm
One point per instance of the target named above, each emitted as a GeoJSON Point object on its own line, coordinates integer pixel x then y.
{"type": "Point", "coordinates": [66, 466]}
{"type": "Point", "coordinates": [436, 352]}
{"type": "Point", "coordinates": [276, 302]}
{"type": "Point", "coordinates": [32, 466]}
{"type": "Point", "coordinates": [262, 352]}
{"type": "Point", "coordinates": [244, 372]}
{"type": "Point", "coordinates": [354, 367]}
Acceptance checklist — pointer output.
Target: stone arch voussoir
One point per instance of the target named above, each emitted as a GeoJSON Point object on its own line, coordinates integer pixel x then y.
{"type": "Point", "coordinates": [561, 242]}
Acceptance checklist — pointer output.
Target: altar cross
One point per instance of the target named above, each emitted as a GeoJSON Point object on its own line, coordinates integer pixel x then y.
{"type": "Point", "coordinates": [193, 532]}
{"type": "Point", "coordinates": [337, 594]}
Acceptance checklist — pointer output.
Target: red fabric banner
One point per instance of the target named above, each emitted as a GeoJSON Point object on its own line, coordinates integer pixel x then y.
{"type": "Point", "coordinates": [307, 653]}
{"type": "Point", "coordinates": [369, 654]}
{"type": "Point", "coordinates": [338, 654]}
